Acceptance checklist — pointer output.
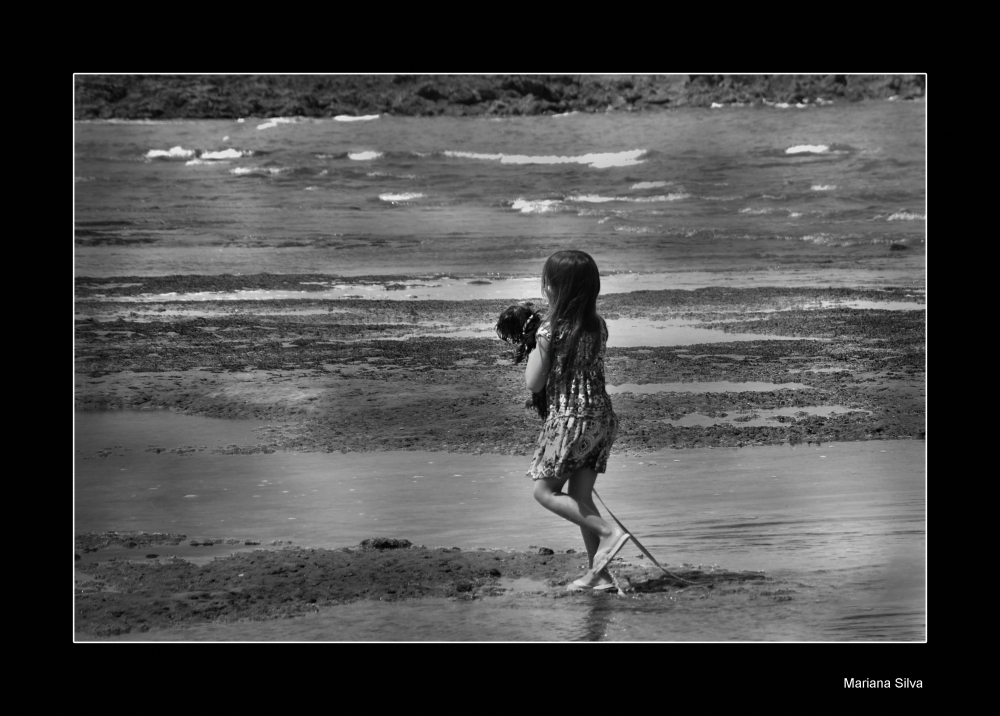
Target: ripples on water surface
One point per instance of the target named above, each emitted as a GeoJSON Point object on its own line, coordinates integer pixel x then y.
{"type": "Point", "coordinates": [840, 526]}
{"type": "Point", "coordinates": [704, 187]}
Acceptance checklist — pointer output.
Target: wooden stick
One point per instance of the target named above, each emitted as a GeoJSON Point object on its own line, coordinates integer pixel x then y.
{"type": "Point", "coordinates": [641, 548]}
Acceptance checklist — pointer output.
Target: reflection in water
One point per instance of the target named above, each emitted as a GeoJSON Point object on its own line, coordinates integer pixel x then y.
{"type": "Point", "coordinates": [838, 532]}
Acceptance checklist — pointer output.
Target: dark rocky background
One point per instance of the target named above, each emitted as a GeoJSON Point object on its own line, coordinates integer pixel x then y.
{"type": "Point", "coordinates": [233, 96]}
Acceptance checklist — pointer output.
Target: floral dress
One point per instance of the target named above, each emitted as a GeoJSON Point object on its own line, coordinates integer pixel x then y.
{"type": "Point", "coordinates": [581, 426]}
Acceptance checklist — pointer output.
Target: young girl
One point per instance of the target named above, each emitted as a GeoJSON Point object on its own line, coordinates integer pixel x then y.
{"type": "Point", "coordinates": [577, 435]}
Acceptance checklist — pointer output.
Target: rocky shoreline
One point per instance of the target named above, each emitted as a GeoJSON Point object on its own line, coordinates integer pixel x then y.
{"type": "Point", "coordinates": [132, 594]}
{"type": "Point", "coordinates": [236, 96]}
{"type": "Point", "coordinates": [367, 375]}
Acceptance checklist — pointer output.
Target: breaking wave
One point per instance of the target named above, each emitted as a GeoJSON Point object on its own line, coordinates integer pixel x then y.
{"type": "Point", "coordinates": [241, 171]}
{"type": "Point", "coordinates": [539, 206]}
{"type": "Point", "coordinates": [598, 199]}
{"type": "Point", "coordinates": [907, 216]}
{"type": "Point", "coordinates": [177, 152]}
{"type": "Point", "coordinates": [409, 196]}
{"type": "Point", "coordinates": [598, 161]}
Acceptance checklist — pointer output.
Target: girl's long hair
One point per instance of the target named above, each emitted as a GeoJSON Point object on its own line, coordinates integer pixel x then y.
{"type": "Point", "coordinates": [575, 282]}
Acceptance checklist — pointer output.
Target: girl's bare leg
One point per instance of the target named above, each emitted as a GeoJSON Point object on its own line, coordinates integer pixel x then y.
{"type": "Point", "coordinates": [576, 505]}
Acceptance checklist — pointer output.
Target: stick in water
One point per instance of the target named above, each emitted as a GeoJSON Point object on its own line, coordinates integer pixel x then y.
{"type": "Point", "coordinates": [641, 548]}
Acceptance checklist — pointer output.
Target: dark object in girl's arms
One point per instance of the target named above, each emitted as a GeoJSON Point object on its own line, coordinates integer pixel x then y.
{"type": "Point", "coordinates": [518, 324]}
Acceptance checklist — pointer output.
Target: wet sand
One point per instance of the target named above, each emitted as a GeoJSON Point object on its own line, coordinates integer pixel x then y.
{"type": "Point", "coordinates": [796, 543]}
{"type": "Point", "coordinates": [323, 368]}
{"type": "Point", "coordinates": [319, 377]}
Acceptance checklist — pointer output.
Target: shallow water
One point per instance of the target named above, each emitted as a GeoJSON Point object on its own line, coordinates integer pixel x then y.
{"type": "Point", "coordinates": [842, 525]}
{"type": "Point", "coordinates": [527, 288]}
{"type": "Point", "coordinates": [759, 416]}
{"type": "Point", "coordinates": [719, 386]}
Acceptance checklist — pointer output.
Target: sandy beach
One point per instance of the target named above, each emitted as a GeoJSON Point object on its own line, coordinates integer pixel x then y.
{"type": "Point", "coordinates": [294, 421]}
{"type": "Point", "coordinates": [360, 378]}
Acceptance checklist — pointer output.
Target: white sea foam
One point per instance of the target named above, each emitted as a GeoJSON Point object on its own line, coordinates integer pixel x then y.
{"type": "Point", "coordinates": [907, 216]}
{"type": "Point", "coordinates": [565, 114]}
{"type": "Point", "coordinates": [408, 196]}
{"type": "Point", "coordinates": [539, 206]}
{"type": "Point", "coordinates": [226, 154]}
{"type": "Point", "coordinates": [598, 199]}
{"type": "Point", "coordinates": [349, 118]}
{"type": "Point", "coordinates": [827, 240]}
{"type": "Point", "coordinates": [599, 161]}
{"type": "Point", "coordinates": [794, 214]}
{"type": "Point", "coordinates": [172, 153]}
{"type": "Point", "coordinates": [472, 155]}
{"type": "Point", "coordinates": [663, 197]}
{"type": "Point", "coordinates": [594, 198]}
{"type": "Point", "coordinates": [753, 211]}
{"type": "Point", "coordinates": [808, 149]}
{"type": "Point", "coordinates": [638, 229]}
{"type": "Point", "coordinates": [364, 156]}
{"type": "Point", "coordinates": [239, 171]}
{"type": "Point", "coordinates": [650, 184]}
{"type": "Point", "coordinates": [275, 121]}
{"type": "Point", "coordinates": [823, 187]}
{"type": "Point", "coordinates": [393, 176]}
{"type": "Point", "coordinates": [716, 105]}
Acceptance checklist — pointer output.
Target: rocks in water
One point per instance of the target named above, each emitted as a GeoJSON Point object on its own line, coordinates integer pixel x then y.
{"type": "Point", "coordinates": [898, 247]}
{"type": "Point", "coordinates": [545, 550]}
{"type": "Point", "coordinates": [152, 556]}
{"type": "Point", "coordinates": [386, 543]}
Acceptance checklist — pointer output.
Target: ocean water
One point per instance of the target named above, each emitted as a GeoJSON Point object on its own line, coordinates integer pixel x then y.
{"type": "Point", "coordinates": [840, 528]}
{"type": "Point", "coordinates": [693, 189]}
{"type": "Point", "coordinates": [769, 196]}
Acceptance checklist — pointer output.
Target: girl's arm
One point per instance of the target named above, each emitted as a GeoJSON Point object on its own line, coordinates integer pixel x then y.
{"type": "Point", "coordinates": [539, 362]}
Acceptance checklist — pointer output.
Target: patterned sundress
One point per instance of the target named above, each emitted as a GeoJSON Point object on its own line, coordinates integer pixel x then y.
{"type": "Point", "coordinates": [581, 426]}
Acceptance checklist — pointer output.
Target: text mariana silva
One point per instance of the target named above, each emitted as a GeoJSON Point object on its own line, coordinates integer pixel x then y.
{"type": "Point", "coordinates": [882, 684]}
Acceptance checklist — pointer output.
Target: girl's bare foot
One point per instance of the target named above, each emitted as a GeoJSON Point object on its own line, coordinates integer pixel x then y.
{"type": "Point", "coordinates": [598, 581]}
{"type": "Point", "coordinates": [595, 580]}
